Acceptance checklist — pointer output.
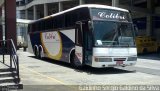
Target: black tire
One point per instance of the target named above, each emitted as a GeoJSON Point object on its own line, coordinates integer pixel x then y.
{"type": "Point", "coordinates": [36, 53]}
{"type": "Point", "coordinates": [40, 54]}
{"type": "Point", "coordinates": [74, 63]}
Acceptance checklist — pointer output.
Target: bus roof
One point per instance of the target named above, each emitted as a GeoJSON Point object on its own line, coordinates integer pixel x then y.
{"type": "Point", "coordinates": [24, 21]}
{"type": "Point", "coordinates": [83, 6]}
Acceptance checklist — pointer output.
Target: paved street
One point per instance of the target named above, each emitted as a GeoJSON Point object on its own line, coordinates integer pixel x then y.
{"type": "Point", "coordinates": [35, 72]}
{"type": "Point", "coordinates": [148, 65]}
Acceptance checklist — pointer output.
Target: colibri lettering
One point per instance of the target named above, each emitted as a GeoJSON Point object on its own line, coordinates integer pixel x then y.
{"type": "Point", "coordinates": [111, 16]}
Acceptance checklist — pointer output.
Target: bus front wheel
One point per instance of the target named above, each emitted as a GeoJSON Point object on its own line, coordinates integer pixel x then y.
{"type": "Point", "coordinates": [75, 63]}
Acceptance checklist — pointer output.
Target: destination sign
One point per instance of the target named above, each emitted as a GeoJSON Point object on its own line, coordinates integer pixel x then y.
{"type": "Point", "coordinates": [110, 15]}
{"type": "Point", "coordinates": [104, 15]}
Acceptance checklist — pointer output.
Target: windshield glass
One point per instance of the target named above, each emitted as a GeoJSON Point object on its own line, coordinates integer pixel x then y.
{"type": "Point", "coordinates": [109, 33]}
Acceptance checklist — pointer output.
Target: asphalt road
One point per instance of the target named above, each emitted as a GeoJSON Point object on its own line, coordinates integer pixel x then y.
{"type": "Point", "coordinates": [149, 64]}
{"type": "Point", "coordinates": [37, 75]}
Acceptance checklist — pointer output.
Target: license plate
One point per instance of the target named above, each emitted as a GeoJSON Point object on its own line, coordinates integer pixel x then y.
{"type": "Point", "coordinates": [119, 62]}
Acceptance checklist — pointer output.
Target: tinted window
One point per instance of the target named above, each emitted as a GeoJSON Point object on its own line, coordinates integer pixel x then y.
{"type": "Point", "coordinates": [66, 20]}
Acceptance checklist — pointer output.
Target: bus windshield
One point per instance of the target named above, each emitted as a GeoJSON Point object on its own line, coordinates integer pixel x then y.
{"type": "Point", "coordinates": [109, 33]}
{"type": "Point", "coordinates": [112, 27]}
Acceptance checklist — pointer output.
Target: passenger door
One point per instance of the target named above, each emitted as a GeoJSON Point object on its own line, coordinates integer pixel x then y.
{"type": "Point", "coordinates": [87, 43]}
{"type": "Point", "coordinates": [83, 48]}
{"type": "Point", "coordinates": [79, 42]}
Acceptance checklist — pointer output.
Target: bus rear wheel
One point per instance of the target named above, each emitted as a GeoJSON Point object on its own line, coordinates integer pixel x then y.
{"type": "Point", "coordinates": [36, 52]}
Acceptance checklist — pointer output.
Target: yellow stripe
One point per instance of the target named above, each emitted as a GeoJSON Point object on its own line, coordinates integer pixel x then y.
{"type": "Point", "coordinates": [51, 78]}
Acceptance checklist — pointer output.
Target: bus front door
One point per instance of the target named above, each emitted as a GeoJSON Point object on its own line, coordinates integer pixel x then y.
{"type": "Point", "coordinates": [78, 44]}
{"type": "Point", "coordinates": [87, 43]}
{"type": "Point", "coordinates": [83, 47]}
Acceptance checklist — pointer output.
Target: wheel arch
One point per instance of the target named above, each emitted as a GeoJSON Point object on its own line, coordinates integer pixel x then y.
{"type": "Point", "coordinates": [70, 53]}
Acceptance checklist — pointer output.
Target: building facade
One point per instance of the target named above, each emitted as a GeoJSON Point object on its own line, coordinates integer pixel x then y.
{"type": "Point", "coordinates": [145, 13]}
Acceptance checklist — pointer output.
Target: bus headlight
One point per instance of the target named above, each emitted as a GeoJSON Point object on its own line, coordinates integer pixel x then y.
{"type": "Point", "coordinates": [96, 59]}
{"type": "Point", "coordinates": [132, 59]}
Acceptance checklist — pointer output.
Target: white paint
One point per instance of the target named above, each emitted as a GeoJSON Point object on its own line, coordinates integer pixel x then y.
{"type": "Point", "coordinates": [114, 52]}
{"type": "Point", "coordinates": [70, 34]}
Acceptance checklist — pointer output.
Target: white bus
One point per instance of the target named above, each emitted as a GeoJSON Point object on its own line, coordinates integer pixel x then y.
{"type": "Point", "coordinates": [94, 35]}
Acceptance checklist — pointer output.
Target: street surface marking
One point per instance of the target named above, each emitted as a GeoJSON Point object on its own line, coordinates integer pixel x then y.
{"type": "Point", "coordinates": [51, 78]}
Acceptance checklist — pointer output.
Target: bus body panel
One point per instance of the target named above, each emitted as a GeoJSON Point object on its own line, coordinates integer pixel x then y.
{"type": "Point", "coordinates": [52, 44]}
{"type": "Point", "coordinates": [56, 44]}
{"type": "Point", "coordinates": [68, 43]}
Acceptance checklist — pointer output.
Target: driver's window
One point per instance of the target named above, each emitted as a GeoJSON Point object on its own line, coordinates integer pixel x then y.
{"type": "Point", "coordinates": [78, 35]}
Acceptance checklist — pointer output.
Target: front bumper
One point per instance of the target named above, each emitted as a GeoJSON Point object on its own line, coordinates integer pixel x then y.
{"type": "Point", "coordinates": [112, 62]}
